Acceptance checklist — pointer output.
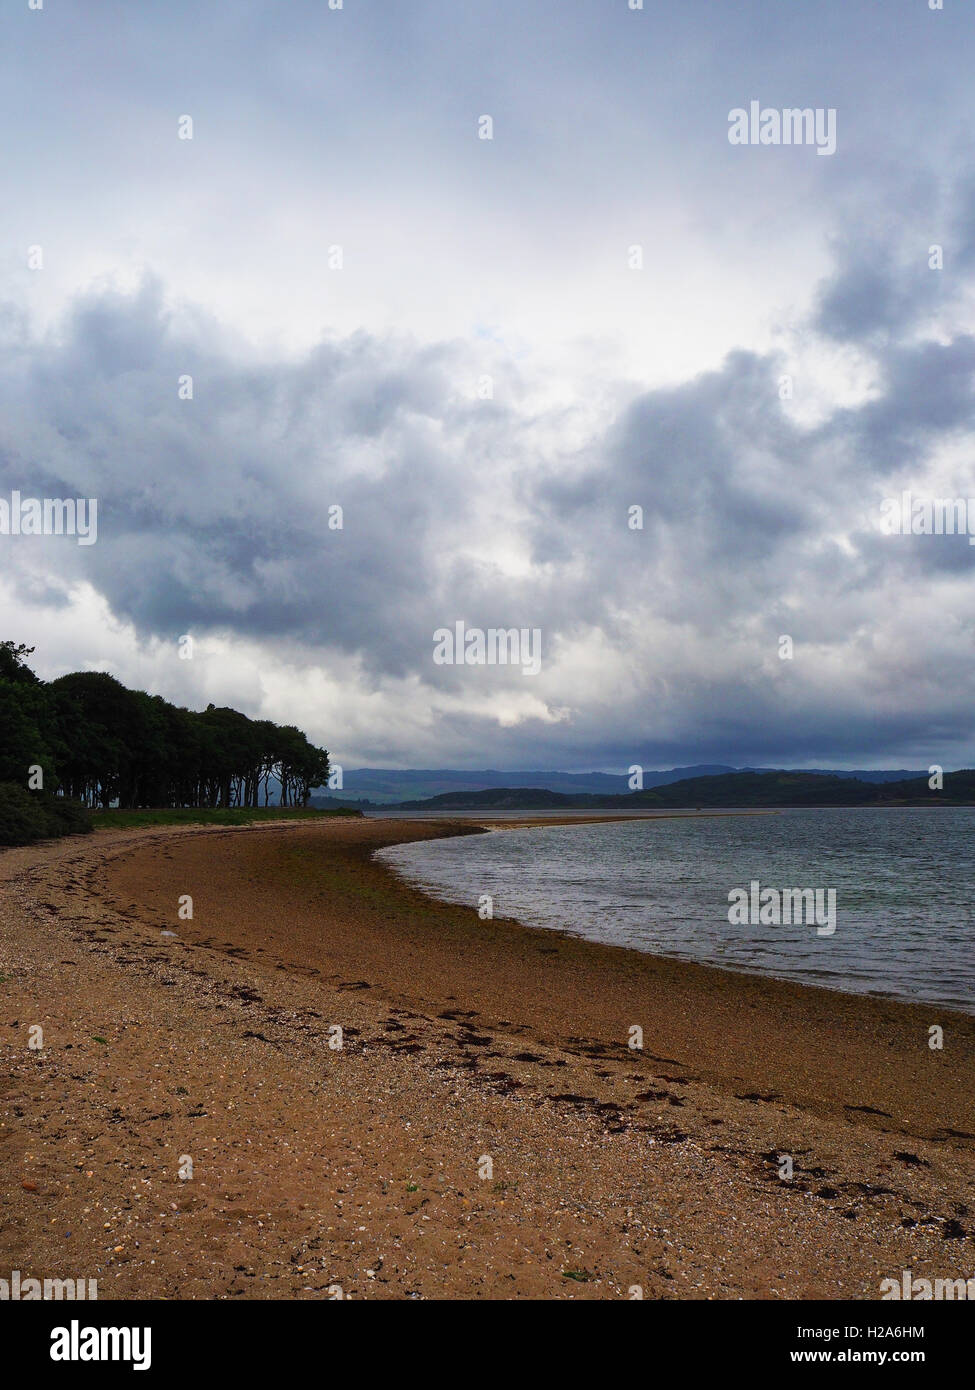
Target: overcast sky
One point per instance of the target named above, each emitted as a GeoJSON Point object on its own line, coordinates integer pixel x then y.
{"type": "Point", "coordinates": [511, 258]}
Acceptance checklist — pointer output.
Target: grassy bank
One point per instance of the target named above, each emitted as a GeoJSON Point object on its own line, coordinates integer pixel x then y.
{"type": "Point", "coordinates": [208, 815]}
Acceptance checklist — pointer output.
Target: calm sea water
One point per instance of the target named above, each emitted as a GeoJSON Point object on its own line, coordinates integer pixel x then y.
{"type": "Point", "coordinates": [905, 891]}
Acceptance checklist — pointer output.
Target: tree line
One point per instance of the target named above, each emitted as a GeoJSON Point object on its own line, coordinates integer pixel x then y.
{"type": "Point", "coordinates": [88, 738]}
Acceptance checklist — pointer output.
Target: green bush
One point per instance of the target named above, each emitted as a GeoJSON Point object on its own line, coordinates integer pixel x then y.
{"type": "Point", "coordinates": [67, 817]}
{"type": "Point", "coordinates": [22, 818]}
{"type": "Point", "coordinates": [28, 816]}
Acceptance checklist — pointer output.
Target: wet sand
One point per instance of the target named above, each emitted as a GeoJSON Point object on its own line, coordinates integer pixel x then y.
{"type": "Point", "coordinates": [484, 1131]}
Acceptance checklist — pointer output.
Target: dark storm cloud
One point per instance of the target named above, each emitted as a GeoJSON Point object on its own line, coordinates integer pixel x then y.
{"type": "Point", "coordinates": [925, 398]}
{"type": "Point", "coordinates": [214, 517]}
{"type": "Point", "coordinates": [866, 298]}
{"type": "Point", "coordinates": [215, 511]}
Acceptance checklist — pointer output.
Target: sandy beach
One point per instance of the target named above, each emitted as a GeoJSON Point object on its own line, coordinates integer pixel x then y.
{"type": "Point", "coordinates": [484, 1131]}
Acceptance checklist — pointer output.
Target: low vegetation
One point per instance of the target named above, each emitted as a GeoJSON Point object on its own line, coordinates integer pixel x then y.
{"type": "Point", "coordinates": [215, 815]}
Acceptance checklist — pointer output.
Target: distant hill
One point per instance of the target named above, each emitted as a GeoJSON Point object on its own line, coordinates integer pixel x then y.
{"type": "Point", "coordinates": [894, 774]}
{"type": "Point", "coordinates": [729, 789]}
{"type": "Point", "coordinates": [376, 785]}
{"type": "Point", "coordinates": [380, 785]}
{"type": "Point", "coordinates": [331, 803]}
{"type": "Point", "coordinates": [505, 799]}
